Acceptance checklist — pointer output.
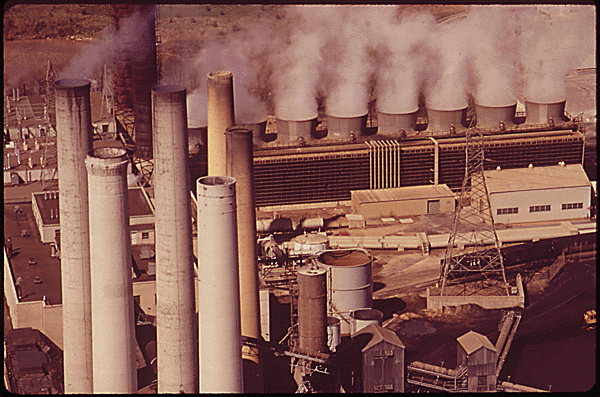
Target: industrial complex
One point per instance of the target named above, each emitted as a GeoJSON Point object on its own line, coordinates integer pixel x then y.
{"type": "Point", "coordinates": [398, 245]}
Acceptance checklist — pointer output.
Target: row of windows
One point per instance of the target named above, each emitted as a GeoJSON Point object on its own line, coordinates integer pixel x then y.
{"type": "Point", "coordinates": [539, 208]}
{"type": "Point", "coordinates": [504, 211]}
{"type": "Point", "coordinates": [572, 206]}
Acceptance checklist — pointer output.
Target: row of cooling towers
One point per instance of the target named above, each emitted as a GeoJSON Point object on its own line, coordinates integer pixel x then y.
{"type": "Point", "coordinates": [199, 335]}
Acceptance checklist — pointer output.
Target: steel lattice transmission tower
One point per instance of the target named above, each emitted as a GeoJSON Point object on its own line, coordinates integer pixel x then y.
{"type": "Point", "coordinates": [473, 247]}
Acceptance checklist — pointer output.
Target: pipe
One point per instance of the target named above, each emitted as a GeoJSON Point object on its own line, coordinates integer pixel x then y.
{"type": "Point", "coordinates": [113, 332]}
{"type": "Point", "coordinates": [436, 161]}
{"type": "Point", "coordinates": [74, 141]}
{"type": "Point", "coordinates": [219, 328]}
{"type": "Point", "coordinates": [240, 166]}
{"type": "Point", "coordinates": [176, 306]}
{"type": "Point", "coordinates": [221, 115]}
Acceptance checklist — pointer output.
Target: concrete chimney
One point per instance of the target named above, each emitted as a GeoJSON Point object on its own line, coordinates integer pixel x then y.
{"type": "Point", "coordinates": [221, 115]}
{"type": "Point", "coordinates": [218, 287]}
{"type": "Point", "coordinates": [113, 324]}
{"type": "Point", "coordinates": [240, 166]}
{"type": "Point", "coordinates": [176, 310]}
{"type": "Point", "coordinates": [74, 141]}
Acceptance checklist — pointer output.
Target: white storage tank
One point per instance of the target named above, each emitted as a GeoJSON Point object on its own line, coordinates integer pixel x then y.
{"type": "Point", "coordinates": [311, 243]}
{"type": "Point", "coordinates": [349, 283]}
{"type": "Point", "coordinates": [334, 337]}
{"type": "Point", "coordinates": [363, 317]}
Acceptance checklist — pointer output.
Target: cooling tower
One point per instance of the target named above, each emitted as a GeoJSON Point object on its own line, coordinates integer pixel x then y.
{"type": "Point", "coordinates": [219, 327]}
{"type": "Point", "coordinates": [74, 141]}
{"type": "Point", "coordinates": [544, 112]}
{"type": "Point", "coordinates": [175, 293]}
{"type": "Point", "coordinates": [312, 308]}
{"type": "Point", "coordinates": [240, 166]}
{"type": "Point", "coordinates": [346, 128]}
{"type": "Point", "coordinates": [295, 132]}
{"type": "Point", "coordinates": [493, 116]}
{"type": "Point", "coordinates": [258, 132]}
{"type": "Point", "coordinates": [113, 332]}
{"type": "Point", "coordinates": [441, 122]}
{"type": "Point", "coordinates": [221, 115]}
{"type": "Point", "coordinates": [396, 125]}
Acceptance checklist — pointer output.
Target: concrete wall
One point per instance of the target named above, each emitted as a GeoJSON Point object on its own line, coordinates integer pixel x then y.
{"type": "Point", "coordinates": [554, 197]}
{"type": "Point", "coordinates": [487, 302]}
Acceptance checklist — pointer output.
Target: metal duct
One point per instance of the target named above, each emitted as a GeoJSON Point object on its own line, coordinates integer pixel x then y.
{"type": "Point", "coordinates": [494, 116]}
{"type": "Point", "coordinates": [240, 166]}
{"type": "Point", "coordinates": [544, 112]}
{"type": "Point", "coordinates": [175, 293]}
{"type": "Point", "coordinates": [218, 287]}
{"type": "Point", "coordinates": [295, 131]}
{"type": "Point", "coordinates": [221, 115]}
{"type": "Point", "coordinates": [441, 122]}
{"type": "Point", "coordinates": [396, 125]}
{"type": "Point", "coordinates": [74, 141]}
{"type": "Point", "coordinates": [346, 128]}
{"type": "Point", "coordinates": [113, 333]}
{"type": "Point", "coordinates": [312, 308]}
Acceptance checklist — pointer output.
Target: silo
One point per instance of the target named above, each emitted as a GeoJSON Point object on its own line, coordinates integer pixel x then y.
{"type": "Point", "coordinates": [363, 317]}
{"type": "Point", "coordinates": [312, 308]}
{"type": "Point", "coordinates": [349, 284]}
{"type": "Point", "coordinates": [221, 115]}
{"type": "Point", "coordinates": [219, 327]}
{"type": "Point", "coordinates": [239, 165]}
{"type": "Point", "coordinates": [442, 122]}
{"type": "Point", "coordinates": [176, 307]}
{"type": "Point", "coordinates": [542, 113]}
{"type": "Point", "coordinates": [493, 116]}
{"type": "Point", "coordinates": [113, 332]}
{"type": "Point", "coordinates": [346, 128]}
{"type": "Point", "coordinates": [295, 132]}
{"type": "Point", "coordinates": [74, 141]}
{"type": "Point", "coordinates": [396, 125]}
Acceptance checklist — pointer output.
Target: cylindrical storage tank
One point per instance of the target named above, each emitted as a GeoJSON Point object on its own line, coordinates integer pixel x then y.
{"type": "Point", "coordinates": [542, 113]}
{"type": "Point", "coordinates": [312, 223]}
{"type": "Point", "coordinates": [346, 128]}
{"type": "Point", "coordinates": [442, 121]}
{"type": "Point", "coordinates": [396, 125]}
{"type": "Point", "coordinates": [363, 317]}
{"type": "Point", "coordinates": [240, 166]}
{"type": "Point", "coordinates": [295, 132]}
{"type": "Point", "coordinates": [277, 225]}
{"type": "Point", "coordinates": [312, 308]}
{"type": "Point", "coordinates": [349, 284]}
{"type": "Point", "coordinates": [113, 332]}
{"type": "Point", "coordinates": [492, 116]}
{"type": "Point", "coordinates": [310, 243]}
{"type": "Point", "coordinates": [73, 142]}
{"type": "Point", "coordinates": [176, 333]}
{"type": "Point", "coordinates": [334, 337]}
{"type": "Point", "coordinates": [219, 327]}
{"type": "Point", "coordinates": [221, 115]}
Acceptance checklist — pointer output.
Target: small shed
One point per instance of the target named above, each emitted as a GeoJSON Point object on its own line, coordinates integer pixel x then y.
{"type": "Point", "coordinates": [403, 201]}
{"type": "Point", "coordinates": [382, 361]}
{"type": "Point", "coordinates": [480, 356]}
{"type": "Point", "coordinates": [558, 192]}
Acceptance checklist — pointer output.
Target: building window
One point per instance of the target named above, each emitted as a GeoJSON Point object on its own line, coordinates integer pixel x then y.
{"type": "Point", "coordinates": [539, 208]}
{"type": "Point", "coordinates": [505, 211]}
{"type": "Point", "coordinates": [145, 235]}
{"type": "Point", "coordinates": [572, 206]}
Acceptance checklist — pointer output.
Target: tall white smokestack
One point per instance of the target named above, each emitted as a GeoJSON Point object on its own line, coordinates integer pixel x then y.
{"type": "Point", "coordinates": [221, 115]}
{"type": "Point", "coordinates": [240, 167]}
{"type": "Point", "coordinates": [175, 295]}
{"type": "Point", "coordinates": [218, 287]}
{"type": "Point", "coordinates": [74, 141]}
{"type": "Point", "coordinates": [113, 327]}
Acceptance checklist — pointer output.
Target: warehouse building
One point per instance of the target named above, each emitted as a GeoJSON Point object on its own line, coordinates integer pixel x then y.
{"type": "Point", "coordinates": [403, 201]}
{"type": "Point", "coordinates": [552, 193]}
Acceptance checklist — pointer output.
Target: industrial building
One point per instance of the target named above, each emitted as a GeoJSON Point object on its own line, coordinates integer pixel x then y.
{"type": "Point", "coordinates": [551, 193]}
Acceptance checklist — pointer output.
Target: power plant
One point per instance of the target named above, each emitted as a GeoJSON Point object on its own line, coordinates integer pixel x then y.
{"type": "Point", "coordinates": [232, 299]}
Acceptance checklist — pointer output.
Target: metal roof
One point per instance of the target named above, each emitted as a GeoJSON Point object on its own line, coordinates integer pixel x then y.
{"type": "Point", "coordinates": [402, 193]}
{"type": "Point", "coordinates": [379, 334]}
{"type": "Point", "coordinates": [473, 341]}
{"type": "Point", "coordinates": [536, 178]}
